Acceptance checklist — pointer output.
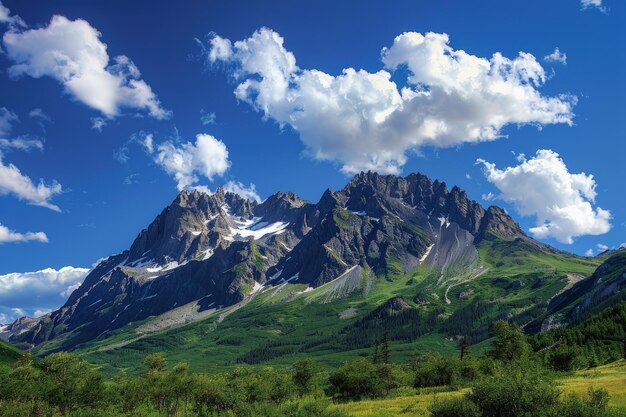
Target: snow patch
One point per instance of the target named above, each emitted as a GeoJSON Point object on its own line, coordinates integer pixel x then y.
{"type": "Point", "coordinates": [295, 277]}
{"type": "Point", "coordinates": [423, 258]}
{"type": "Point", "coordinates": [444, 220]}
{"type": "Point", "coordinates": [118, 314]}
{"type": "Point", "coordinates": [256, 229]}
{"type": "Point", "coordinates": [172, 265]}
{"type": "Point", "coordinates": [276, 275]}
{"type": "Point", "coordinates": [148, 297]}
{"type": "Point", "coordinates": [257, 287]}
{"type": "Point", "coordinates": [94, 303]}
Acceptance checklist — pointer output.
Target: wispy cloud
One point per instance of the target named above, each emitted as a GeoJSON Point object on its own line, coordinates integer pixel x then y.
{"type": "Point", "coordinates": [10, 236]}
{"type": "Point", "coordinates": [556, 56]}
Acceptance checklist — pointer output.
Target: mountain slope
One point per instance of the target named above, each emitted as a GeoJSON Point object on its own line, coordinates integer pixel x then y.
{"type": "Point", "coordinates": [605, 288]}
{"type": "Point", "coordinates": [220, 259]}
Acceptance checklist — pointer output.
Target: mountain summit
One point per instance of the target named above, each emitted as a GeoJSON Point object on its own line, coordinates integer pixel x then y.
{"type": "Point", "coordinates": [215, 250]}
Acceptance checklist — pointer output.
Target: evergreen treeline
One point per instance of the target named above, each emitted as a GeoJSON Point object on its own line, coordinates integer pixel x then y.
{"type": "Point", "coordinates": [597, 340]}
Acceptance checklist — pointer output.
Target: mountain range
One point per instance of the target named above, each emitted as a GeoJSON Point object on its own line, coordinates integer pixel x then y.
{"type": "Point", "coordinates": [405, 255]}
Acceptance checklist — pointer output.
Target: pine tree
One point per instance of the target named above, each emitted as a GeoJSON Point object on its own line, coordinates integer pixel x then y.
{"type": "Point", "coordinates": [464, 345]}
{"type": "Point", "coordinates": [385, 350]}
{"type": "Point", "coordinates": [376, 358]}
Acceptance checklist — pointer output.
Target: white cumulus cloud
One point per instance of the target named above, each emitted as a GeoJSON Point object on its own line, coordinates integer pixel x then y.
{"type": "Point", "coordinates": [556, 56]}
{"type": "Point", "coordinates": [71, 52]}
{"type": "Point", "coordinates": [35, 293]}
{"type": "Point", "coordinates": [7, 119]}
{"type": "Point", "coordinates": [207, 157]}
{"type": "Point", "coordinates": [562, 202]}
{"type": "Point", "coordinates": [366, 121]}
{"type": "Point", "coordinates": [10, 236]}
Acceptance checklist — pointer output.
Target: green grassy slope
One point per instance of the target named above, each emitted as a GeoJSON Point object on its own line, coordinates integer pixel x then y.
{"type": "Point", "coordinates": [9, 354]}
{"type": "Point", "coordinates": [611, 377]}
{"type": "Point", "coordinates": [514, 280]}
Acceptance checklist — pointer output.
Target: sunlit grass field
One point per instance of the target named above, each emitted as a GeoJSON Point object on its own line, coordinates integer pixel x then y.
{"type": "Point", "coordinates": [611, 377]}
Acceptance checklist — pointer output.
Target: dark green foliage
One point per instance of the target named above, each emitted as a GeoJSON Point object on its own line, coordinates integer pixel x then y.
{"type": "Point", "coordinates": [595, 404]}
{"type": "Point", "coordinates": [64, 385]}
{"type": "Point", "coordinates": [385, 351]}
{"type": "Point", "coordinates": [464, 345]}
{"type": "Point", "coordinates": [362, 379]}
{"type": "Point", "coordinates": [156, 362]}
{"type": "Point", "coordinates": [62, 380]}
{"type": "Point", "coordinates": [454, 407]}
{"type": "Point", "coordinates": [521, 392]}
{"type": "Point", "coordinates": [406, 325]}
{"type": "Point", "coordinates": [471, 320]}
{"type": "Point", "coordinates": [565, 358]}
{"type": "Point", "coordinates": [515, 392]}
{"type": "Point", "coordinates": [438, 370]}
{"type": "Point", "coordinates": [509, 342]}
{"type": "Point", "coordinates": [304, 373]}
{"type": "Point", "coordinates": [596, 341]}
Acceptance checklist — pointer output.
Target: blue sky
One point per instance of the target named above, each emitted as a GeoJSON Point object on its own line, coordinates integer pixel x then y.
{"type": "Point", "coordinates": [112, 185]}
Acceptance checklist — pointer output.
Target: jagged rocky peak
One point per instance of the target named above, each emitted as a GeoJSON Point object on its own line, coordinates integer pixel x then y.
{"type": "Point", "coordinates": [182, 231]}
{"type": "Point", "coordinates": [498, 222]}
{"type": "Point", "coordinates": [375, 194]}
{"type": "Point", "coordinates": [328, 202]}
{"type": "Point", "coordinates": [170, 236]}
{"type": "Point", "coordinates": [281, 207]}
{"type": "Point", "coordinates": [236, 205]}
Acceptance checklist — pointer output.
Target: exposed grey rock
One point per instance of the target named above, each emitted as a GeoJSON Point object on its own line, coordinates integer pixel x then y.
{"type": "Point", "coordinates": [214, 250]}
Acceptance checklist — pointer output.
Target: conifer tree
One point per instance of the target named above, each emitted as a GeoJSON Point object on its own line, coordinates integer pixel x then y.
{"type": "Point", "coordinates": [385, 352]}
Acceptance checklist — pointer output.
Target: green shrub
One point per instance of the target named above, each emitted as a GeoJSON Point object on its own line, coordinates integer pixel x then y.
{"type": "Point", "coordinates": [454, 407]}
{"type": "Point", "coordinates": [515, 392]}
{"type": "Point", "coordinates": [362, 379]}
{"type": "Point", "coordinates": [565, 358]}
{"type": "Point", "coordinates": [436, 371]}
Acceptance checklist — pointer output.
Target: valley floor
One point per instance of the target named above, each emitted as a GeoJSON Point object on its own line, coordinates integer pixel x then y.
{"type": "Point", "coordinates": [611, 377]}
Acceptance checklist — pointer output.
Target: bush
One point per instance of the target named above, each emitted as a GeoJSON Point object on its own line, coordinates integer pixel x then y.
{"type": "Point", "coordinates": [362, 379]}
{"type": "Point", "coordinates": [509, 343]}
{"type": "Point", "coordinates": [515, 392]}
{"type": "Point", "coordinates": [566, 358]}
{"type": "Point", "coordinates": [454, 407]}
{"type": "Point", "coordinates": [437, 371]}
{"type": "Point", "coordinates": [593, 405]}
{"type": "Point", "coordinates": [304, 373]}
